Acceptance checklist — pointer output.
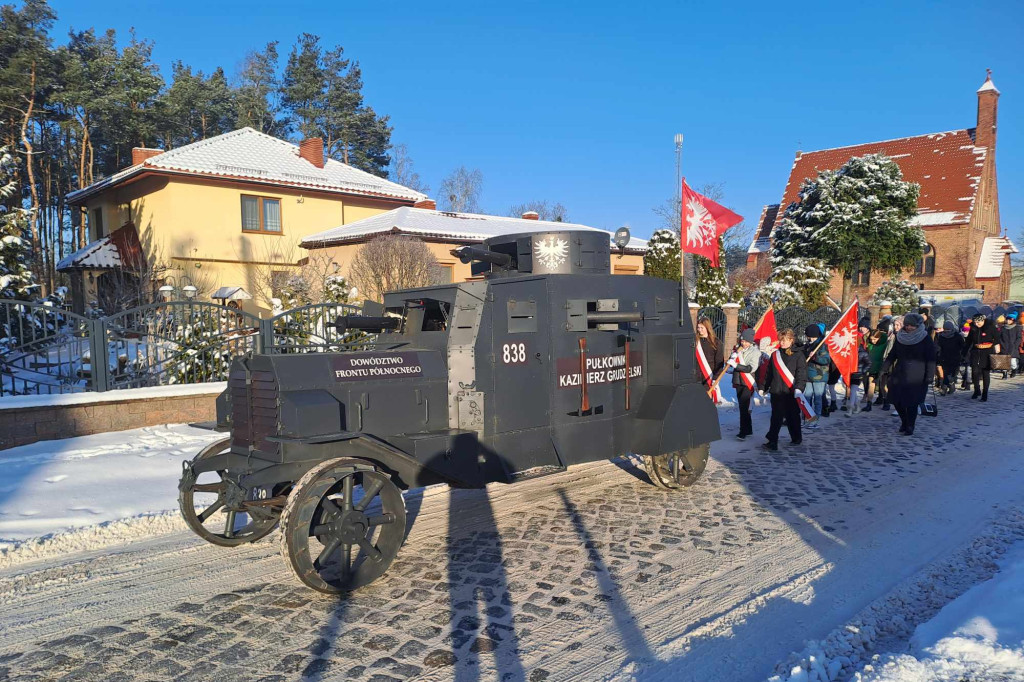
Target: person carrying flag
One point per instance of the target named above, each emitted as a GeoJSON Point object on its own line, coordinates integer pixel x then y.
{"type": "Point", "coordinates": [785, 382]}
{"type": "Point", "coordinates": [710, 356]}
{"type": "Point", "coordinates": [743, 362]}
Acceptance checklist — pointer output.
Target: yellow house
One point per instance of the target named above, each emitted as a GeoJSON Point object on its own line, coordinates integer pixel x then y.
{"type": "Point", "coordinates": [443, 231]}
{"type": "Point", "coordinates": [228, 211]}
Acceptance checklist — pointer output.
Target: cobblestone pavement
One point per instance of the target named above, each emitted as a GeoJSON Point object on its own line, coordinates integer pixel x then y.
{"type": "Point", "coordinates": [574, 575]}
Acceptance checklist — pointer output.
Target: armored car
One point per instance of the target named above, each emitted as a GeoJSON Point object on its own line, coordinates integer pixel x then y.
{"type": "Point", "coordinates": [544, 362]}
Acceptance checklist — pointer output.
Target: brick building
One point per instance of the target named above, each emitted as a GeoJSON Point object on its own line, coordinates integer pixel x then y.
{"type": "Point", "coordinates": [958, 208]}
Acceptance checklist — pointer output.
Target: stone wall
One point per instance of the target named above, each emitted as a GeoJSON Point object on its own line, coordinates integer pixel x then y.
{"type": "Point", "coordinates": [30, 424]}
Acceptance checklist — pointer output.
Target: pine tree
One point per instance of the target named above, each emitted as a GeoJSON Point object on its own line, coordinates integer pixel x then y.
{"type": "Point", "coordinates": [712, 287]}
{"type": "Point", "coordinates": [854, 218]}
{"type": "Point", "coordinates": [662, 257]}
{"type": "Point", "coordinates": [323, 92]}
{"type": "Point", "coordinates": [257, 92]}
{"type": "Point", "coordinates": [195, 107]}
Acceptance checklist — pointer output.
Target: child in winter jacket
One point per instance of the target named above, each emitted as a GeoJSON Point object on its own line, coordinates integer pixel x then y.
{"type": "Point", "coordinates": [818, 362]}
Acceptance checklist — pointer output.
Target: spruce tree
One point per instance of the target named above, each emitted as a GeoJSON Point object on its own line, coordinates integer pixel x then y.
{"type": "Point", "coordinates": [662, 257]}
{"type": "Point", "coordinates": [712, 287]}
{"type": "Point", "coordinates": [854, 218]}
{"type": "Point", "coordinates": [903, 296]}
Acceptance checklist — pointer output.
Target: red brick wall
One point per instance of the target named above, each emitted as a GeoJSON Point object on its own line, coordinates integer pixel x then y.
{"type": "Point", "coordinates": [25, 425]}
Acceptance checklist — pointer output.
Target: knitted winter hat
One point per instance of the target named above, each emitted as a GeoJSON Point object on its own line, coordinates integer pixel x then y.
{"type": "Point", "coordinates": [1001, 319]}
{"type": "Point", "coordinates": [747, 335]}
{"type": "Point", "coordinates": [913, 319]}
{"type": "Point", "coordinates": [979, 316]}
{"type": "Point", "coordinates": [812, 331]}
{"type": "Point", "coordinates": [865, 323]}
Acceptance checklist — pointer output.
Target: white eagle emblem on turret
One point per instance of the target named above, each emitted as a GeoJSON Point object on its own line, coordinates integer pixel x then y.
{"type": "Point", "coordinates": [551, 251]}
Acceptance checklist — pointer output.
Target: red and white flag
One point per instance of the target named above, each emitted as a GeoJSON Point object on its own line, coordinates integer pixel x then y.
{"type": "Point", "coordinates": [787, 378]}
{"type": "Point", "coordinates": [703, 222]}
{"type": "Point", "coordinates": [842, 342]}
{"type": "Point", "coordinates": [766, 329]}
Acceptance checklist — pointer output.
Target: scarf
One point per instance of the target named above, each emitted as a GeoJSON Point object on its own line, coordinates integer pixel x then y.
{"type": "Point", "coordinates": [910, 338]}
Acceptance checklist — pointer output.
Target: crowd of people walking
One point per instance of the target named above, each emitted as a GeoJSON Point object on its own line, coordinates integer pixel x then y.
{"type": "Point", "coordinates": [903, 363]}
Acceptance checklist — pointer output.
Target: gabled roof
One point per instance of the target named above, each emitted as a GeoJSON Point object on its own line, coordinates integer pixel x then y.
{"type": "Point", "coordinates": [441, 225]}
{"type": "Point", "coordinates": [247, 154]}
{"type": "Point", "coordinates": [119, 249]}
{"type": "Point", "coordinates": [947, 166]}
{"type": "Point", "coordinates": [993, 255]}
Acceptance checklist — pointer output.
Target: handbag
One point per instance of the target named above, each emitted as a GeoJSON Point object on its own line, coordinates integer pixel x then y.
{"type": "Point", "coordinates": [930, 409]}
{"type": "Point", "coordinates": [999, 362]}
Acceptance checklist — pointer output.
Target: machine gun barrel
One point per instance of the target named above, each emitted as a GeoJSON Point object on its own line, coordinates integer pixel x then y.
{"type": "Point", "coordinates": [366, 323]}
{"type": "Point", "coordinates": [616, 317]}
{"type": "Point", "coordinates": [471, 253]}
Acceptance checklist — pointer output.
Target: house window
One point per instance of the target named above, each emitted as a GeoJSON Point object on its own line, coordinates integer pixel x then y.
{"type": "Point", "coordinates": [861, 276]}
{"type": "Point", "coordinates": [261, 214]}
{"type": "Point", "coordinates": [446, 273]}
{"type": "Point", "coordinates": [97, 223]}
{"type": "Point", "coordinates": [926, 263]}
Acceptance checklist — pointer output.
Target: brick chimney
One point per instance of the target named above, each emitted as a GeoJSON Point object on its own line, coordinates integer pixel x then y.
{"type": "Point", "coordinates": [531, 215]}
{"type": "Point", "coordinates": [312, 150]}
{"type": "Point", "coordinates": [140, 154]}
{"type": "Point", "coordinates": [988, 102]}
{"type": "Point", "coordinates": [426, 203]}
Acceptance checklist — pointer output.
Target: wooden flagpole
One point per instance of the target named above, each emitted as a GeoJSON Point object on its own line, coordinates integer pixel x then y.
{"type": "Point", "coordinates": [725, 369]}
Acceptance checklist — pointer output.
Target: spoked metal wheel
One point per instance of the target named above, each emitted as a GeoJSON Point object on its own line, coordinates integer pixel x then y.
{"type": "Point", "coordinates": [343, 525]}
{"type": "Point", "coordinates": [220, 512]}
{"type": "Point", "coordinates": [677, 469]}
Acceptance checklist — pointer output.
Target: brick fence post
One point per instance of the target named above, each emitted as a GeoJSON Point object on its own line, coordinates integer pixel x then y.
{"type": "Point", "coordinates": [885, 309]}
{"type": "Point", "coordinates": [694, 309]}
{"type": "Point", "coordinates": [732, 324]}
{"type": "Point", "coordinates": [876, 315]}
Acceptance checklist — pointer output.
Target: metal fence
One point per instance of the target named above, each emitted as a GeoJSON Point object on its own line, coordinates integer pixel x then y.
{"type": "Point", "coordinates": [46, 350]}
{"type": "Point", "coordinates": [795, 317]}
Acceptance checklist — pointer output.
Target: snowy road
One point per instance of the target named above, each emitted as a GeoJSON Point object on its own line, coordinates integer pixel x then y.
{"type": "Point", "coordinates": [589, 574]}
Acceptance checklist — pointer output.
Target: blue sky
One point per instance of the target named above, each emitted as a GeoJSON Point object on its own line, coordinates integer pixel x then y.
{"type": "Point", "coordinates": [578, 102]}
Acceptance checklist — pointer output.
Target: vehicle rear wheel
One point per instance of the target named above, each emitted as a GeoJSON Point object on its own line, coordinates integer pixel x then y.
{"type": "Point", "coordinates": [692, 463]}
{"type": "Point", "coordinates": [220, 513]}
{"type": "Point", "coordinates": [343, 525]}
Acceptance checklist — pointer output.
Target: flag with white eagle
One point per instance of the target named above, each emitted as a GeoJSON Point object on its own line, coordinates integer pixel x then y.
{"type": "Point", "coordinates": [703, 222]}
{"type": "Point", "coordinates": [842, 342]}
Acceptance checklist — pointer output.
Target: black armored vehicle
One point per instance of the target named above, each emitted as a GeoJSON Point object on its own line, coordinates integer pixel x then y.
{"type": "Point", "coordinates": [545, 362]}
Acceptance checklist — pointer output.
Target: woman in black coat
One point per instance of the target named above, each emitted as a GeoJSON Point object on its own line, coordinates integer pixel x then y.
{"type": "Point", "coordinates": [950, 346]}
{"type": "Point", "coordinates": [911, 369]}
{"type": "Point", "coordinates": [984, 341]}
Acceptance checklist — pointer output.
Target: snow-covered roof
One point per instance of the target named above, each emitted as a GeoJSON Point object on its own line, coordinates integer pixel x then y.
{"type": "Point", "coordinates": [458, 227]}
{"type": "Point", "coordinates": [119, 249]}
{"type": "Point", "coordinates": [248, 154]}
{"type": "Point", "coordinates": [993, 254]}
{"type": "Point", "coordinates": [988, 85]}
{"type": "Point", "coordinates": [231, 294]}
{"type": "Point", "coordinates": [946, 165]}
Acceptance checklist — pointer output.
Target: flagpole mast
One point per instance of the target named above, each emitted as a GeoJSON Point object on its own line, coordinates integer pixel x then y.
{"type": "Point", "coordinates": [683, 312]}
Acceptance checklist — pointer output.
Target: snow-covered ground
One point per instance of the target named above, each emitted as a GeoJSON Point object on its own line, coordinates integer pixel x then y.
{"type": "Point", "coordinates": [588, 574]}
{"type": "Point", "coordinates": [977, 636]}
{"type": "Point", "coordinates": [74, 493]}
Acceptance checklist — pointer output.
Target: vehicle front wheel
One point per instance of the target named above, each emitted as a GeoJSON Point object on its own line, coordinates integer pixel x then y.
{"type": "Point", "coordinates": [343, 525]}
{"type": "Point", "coordinates": [691, 464]}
